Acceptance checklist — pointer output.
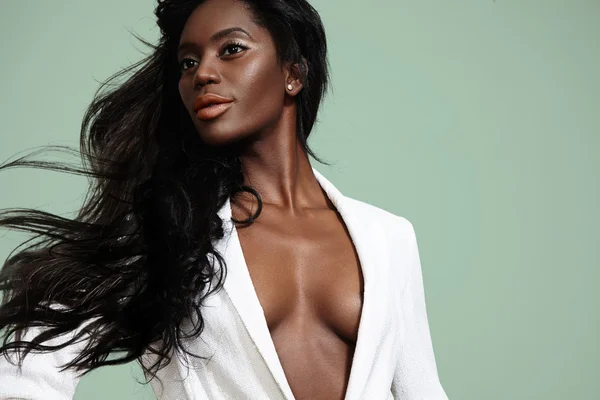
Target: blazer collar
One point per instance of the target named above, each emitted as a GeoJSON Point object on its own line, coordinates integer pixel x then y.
{"type": "Point", "coordinates": [240, 289]}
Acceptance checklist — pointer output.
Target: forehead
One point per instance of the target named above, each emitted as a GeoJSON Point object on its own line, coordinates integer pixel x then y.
{"type": "Point", "coordinates": [214, 15]}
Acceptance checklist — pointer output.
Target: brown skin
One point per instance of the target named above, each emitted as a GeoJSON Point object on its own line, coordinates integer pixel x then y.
{"type": "Point", "coordinates": [300, 257]}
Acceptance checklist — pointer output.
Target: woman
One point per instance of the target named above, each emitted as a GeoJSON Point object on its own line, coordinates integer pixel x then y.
{"type": "Point", "coordinates": [208, 248]}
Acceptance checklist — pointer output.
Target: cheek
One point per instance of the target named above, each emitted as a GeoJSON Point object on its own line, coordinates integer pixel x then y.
{"type": "Point", "coordinates": [263, 96]}
{"type": "Point", "coordinates": [184, 91]}
{"type": "Point", "coordinates": [181, 92]}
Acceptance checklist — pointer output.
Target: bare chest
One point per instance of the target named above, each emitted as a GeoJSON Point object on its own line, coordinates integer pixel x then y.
{"type": "Point", "coordinates": [308, 280]}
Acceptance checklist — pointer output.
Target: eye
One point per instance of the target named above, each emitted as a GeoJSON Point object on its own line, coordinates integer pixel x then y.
{"type": "Point", "coordinates": [233, 48]}
{"type": "Point", "coordinates": [187, 63]}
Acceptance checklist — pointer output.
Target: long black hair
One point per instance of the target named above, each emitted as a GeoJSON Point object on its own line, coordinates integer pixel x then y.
{"type": "Point", "coordinates": [138, 259]}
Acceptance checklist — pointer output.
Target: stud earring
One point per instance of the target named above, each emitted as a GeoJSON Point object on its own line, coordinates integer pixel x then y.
{"type": "Point", "coordinates": [290, 87]}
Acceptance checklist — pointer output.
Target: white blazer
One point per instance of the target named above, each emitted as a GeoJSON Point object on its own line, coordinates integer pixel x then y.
{"type": "Point", "coordinates": [393, 357]}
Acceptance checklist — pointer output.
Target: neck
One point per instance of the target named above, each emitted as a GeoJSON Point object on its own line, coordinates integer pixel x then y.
{"type": "Point", "coordinates": [278, 168]}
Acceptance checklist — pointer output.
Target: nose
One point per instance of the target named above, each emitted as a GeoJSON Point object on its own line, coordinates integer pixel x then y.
{"type": "Point", "coordinates": [206, 73]}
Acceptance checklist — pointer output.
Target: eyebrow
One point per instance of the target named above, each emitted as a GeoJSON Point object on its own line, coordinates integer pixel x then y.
{"type": "Point", "coordinates": [216, 36]}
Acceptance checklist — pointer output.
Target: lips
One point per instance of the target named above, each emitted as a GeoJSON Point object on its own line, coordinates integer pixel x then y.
{"type": "Point", "coordinates": [209, 106]}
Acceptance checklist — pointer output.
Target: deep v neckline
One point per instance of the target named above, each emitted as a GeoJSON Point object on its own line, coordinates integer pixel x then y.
{"type": "Point", "coordinates": [241, 290]}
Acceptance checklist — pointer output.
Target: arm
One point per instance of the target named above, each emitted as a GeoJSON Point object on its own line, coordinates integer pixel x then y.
{"type": "Point", "coordinates": [416, 376]}
{"type": "Point", "coordinates": [40, 377]}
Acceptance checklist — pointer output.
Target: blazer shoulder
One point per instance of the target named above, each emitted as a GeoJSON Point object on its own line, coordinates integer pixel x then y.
{"type": "Point", "coordinates": [393, 223]}
{"type": "Point", "coordinates": [392, 235]}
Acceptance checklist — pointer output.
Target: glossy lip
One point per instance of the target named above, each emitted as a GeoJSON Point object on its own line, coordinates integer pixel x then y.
{"type": "Point", "coordinates": [210, 105]}
{"type": "Point", "coordinates": [211, 112]}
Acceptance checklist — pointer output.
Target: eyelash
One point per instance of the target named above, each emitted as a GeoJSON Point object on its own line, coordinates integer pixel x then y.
{"type": "Point", "coordinates": [227, 46]}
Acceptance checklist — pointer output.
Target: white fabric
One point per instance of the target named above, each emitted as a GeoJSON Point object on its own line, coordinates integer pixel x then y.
{"type": "Point", "coordinates": [393, 358]}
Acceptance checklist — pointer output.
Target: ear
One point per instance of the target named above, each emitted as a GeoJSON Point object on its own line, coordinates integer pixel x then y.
{"type": "Point", "coordinates": [295, 76]}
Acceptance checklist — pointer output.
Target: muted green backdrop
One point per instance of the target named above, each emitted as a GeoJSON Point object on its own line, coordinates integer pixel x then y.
{"type": "Point", "coordinates": [479, 121]}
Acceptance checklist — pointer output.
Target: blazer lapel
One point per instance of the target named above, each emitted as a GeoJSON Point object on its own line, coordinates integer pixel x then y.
{"type": "Point", "coordinates": [366, 237]}
{"type": "Point", "coordinates": [241, 291]}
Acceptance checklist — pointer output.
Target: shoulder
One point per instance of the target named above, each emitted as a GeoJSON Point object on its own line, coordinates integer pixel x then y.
{"type": "Point", "coordinates": [395, 225]}
{"type": "Point", "coordinates": [390, 237]}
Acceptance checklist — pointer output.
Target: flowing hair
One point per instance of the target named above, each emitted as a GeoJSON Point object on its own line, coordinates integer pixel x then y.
{"type": "Point", "coordinates": [138, 259]}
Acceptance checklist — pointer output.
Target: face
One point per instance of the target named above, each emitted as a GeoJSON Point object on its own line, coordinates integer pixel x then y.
{"type": "Point", "coordinates": [222, 52]}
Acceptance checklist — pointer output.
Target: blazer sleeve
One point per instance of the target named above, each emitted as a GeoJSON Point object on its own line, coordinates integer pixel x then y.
{"type": "Point", "coordinates": [39, 377]}
{"type": "Point", "coordinates": [416, 376]}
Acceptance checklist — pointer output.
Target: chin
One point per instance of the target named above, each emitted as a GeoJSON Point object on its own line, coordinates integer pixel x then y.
{"type": "Point", "coordinates": [219, 135]}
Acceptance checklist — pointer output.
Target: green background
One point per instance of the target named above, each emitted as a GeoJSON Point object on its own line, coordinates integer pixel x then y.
{"type": "Point", "coordinates": [479, 121]}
